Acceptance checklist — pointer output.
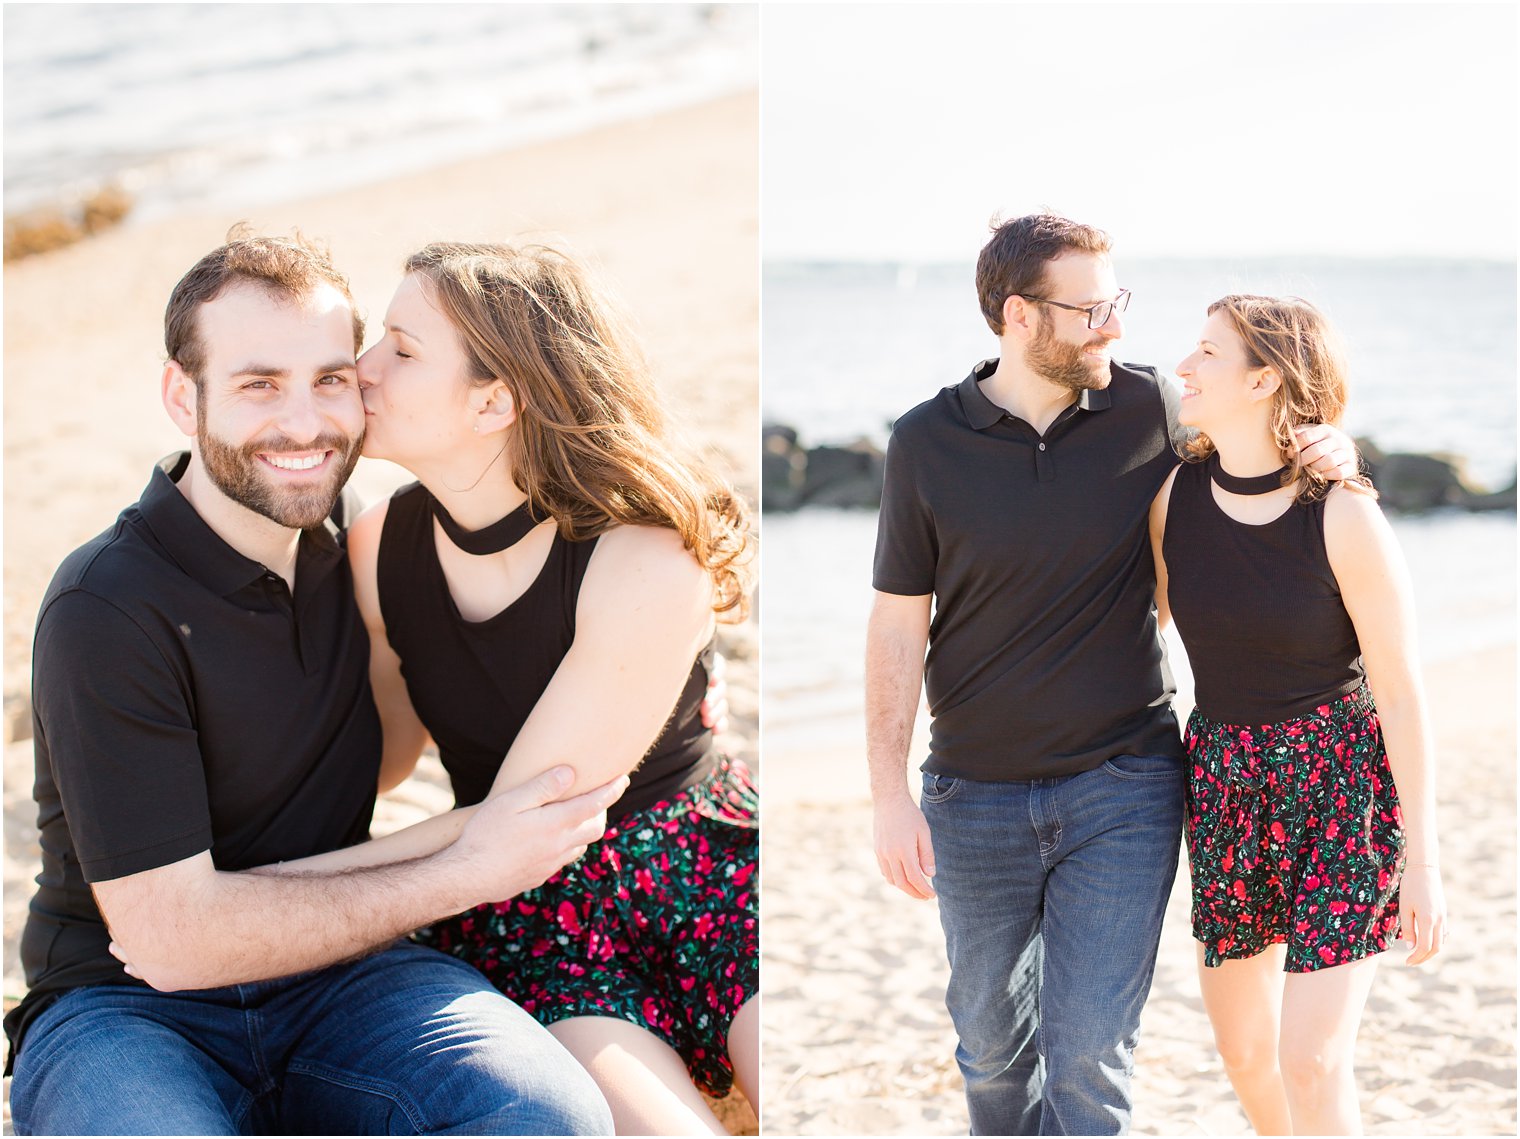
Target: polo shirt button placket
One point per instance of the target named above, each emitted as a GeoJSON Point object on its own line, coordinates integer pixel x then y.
{"type": "Point", "coordinates": [1043, 466]}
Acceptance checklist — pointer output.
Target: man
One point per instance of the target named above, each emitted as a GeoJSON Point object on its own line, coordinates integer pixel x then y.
{"type": "Point", "coordinates": [201, 709]}
{"type": "Point", "coordinates": [1052, 796]}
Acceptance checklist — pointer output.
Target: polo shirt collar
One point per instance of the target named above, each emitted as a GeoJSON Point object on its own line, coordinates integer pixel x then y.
{"type": "Point", "coordinates": [982, 413]}
{"type": "Point", "coordinates": [202, 553]}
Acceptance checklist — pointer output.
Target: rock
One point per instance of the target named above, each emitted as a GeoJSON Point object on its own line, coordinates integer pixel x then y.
{"type": "Point", "coordinates": [1412, 482]}
{"type": "Point", "coordinates": [849, 476]}
{"type": "Point", "coordinates": [18, 717]}
{"type": "Point", "coordinates": [782, 464]}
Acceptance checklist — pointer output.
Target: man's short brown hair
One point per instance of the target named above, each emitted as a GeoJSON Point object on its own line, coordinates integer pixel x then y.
{"type": "Point", "coordinates": [289, 267]}
{"type": "Point", "coordinates": [1013, 262]}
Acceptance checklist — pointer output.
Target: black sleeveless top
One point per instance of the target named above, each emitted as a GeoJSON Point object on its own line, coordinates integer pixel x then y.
{"type": "Point", "coordinates": [473, 683]}
{"type": "Point", "coordinates": [1258, 607]}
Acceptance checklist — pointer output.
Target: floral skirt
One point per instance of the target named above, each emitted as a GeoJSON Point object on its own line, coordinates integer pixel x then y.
{"type": "Point", "coordinates": [657, 924]}
{"type": "Point", "coordinates": [1294, 835]}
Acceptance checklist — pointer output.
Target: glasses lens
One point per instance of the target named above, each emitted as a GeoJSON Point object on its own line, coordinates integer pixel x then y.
{"type": "Point", "coordinates": [1122, 302]}
{"type": "Point", "coordinates": [1099, 315]}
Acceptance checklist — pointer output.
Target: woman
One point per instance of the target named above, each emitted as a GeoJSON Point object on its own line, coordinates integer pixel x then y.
{"type": "Point", "coordinates": [1310, 847]}
{"type": "Point", "coordinates": [547, 593]}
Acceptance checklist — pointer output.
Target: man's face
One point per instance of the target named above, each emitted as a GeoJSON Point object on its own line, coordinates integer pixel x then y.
{"type": "Point", "coordinates": [279, 419]}
{"type": "Point", "coordinates": [1063, 349]}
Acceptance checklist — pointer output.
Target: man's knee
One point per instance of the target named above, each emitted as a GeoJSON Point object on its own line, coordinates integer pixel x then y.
{"type": "Point", "coordinates": [566, 1102]}
{"type": "Point", "coordinates": [105, 1071]}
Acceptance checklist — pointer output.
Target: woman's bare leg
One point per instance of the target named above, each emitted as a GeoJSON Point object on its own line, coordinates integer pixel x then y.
{"type": "Point", "coordinates": [744, 1051]}
{"type": "Point", "coordinates": [645, 1081]}
{"type": "Point", "coordinates": [1320, 1015]}
{"type": "Point", "coordinates": [1244, 1000]}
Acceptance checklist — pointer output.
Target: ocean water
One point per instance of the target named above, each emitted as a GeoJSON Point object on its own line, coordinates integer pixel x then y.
{"type": "Point", "coordinates": [846, 348]}
{"type": "Point", "coordinates": [220, 104]}
{"type": "Point", "coordinates": [815, 597]}
{"type": "Point", "coordinates": [1431, 344]}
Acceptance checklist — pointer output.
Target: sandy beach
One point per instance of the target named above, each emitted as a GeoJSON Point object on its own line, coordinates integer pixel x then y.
{"type": "Point", "coordinates": [666, 208]}
{"type": "Point", "coordinates": [858, 1040]}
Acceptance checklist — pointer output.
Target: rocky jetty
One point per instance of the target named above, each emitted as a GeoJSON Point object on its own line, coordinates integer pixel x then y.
{"type": "Point", "coordinates": [849, 475]}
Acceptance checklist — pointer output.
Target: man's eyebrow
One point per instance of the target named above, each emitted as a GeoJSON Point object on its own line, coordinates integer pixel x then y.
{"type": "Point", "coordinates": [272, 372]}
{"type": "Point", "coordinates": [261, 370]}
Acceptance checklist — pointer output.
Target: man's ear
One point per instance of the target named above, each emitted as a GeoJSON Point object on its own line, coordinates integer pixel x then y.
{"type": "Point", "coordinates": [1018, 317]}
{"type": "Point", "coordinates": [179, 395]}
{"type": "Point", "coordinates": [495, 409]}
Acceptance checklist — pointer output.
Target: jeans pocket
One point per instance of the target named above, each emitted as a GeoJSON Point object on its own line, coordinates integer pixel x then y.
{"type": "Point", "coordinates": [939, 788]}
{"type": "Point", "coordinates": [1144, 767]}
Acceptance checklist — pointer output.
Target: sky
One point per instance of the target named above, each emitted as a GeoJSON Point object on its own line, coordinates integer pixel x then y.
{"type": "Point", "coordinates": [895, 131]}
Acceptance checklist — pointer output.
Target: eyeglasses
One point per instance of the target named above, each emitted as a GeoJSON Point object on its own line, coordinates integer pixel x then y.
{"type": "Point", "coordinates": [1097, 315]}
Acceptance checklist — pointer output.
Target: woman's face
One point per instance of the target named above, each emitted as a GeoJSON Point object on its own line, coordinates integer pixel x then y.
{"type": "Point", "coordinates": [1217, 382]}
{"type": "Point", "coordinates": [414, 381]}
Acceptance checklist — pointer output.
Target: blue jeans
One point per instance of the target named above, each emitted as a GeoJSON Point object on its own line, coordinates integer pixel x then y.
{"type": "Point", "coordinates": [1051, 895]}
{"type": "Point", "coordinates": [405, 1042]}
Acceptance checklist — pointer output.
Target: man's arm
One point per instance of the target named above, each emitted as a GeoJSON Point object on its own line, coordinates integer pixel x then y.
{"type": "Point", "coordinates": [1327, 451]}
{"type": "Point", "coordinates": [188, 925]}
{"type": "Point", "coordinates": [896, 639]}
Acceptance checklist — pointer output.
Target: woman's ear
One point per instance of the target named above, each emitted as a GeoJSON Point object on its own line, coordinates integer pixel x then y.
{"type": "Point", "coordinates": [180, 398]}
{"type": "Point", "coordinates": [495, 409]}
{"type": "Point", "coordinates": [1266, 383]}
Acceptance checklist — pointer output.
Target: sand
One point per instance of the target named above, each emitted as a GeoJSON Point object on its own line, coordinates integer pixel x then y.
{"type": "Point", "coordinates": [666, 208]}
{"type": "Point", "coordinates": [858, 1040]}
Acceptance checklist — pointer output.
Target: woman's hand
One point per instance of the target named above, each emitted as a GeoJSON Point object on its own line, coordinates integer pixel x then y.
{"type": "Point", "coordinates": [1422, 912]}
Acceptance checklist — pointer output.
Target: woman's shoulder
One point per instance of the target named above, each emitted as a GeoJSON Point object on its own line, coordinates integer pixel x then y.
{"type": "Point", "coordinates": [649, 560]}
{"type": "Point", "coordinates": [364, 531]}
{"type": "Point", "coordinates": [1350, 509]}
{"type": "Point", "coordinates": [1357, 533]}
{"type": "Point", "coordinates": [653, 547]}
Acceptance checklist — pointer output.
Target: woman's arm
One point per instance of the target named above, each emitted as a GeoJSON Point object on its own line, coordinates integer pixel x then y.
{"type": "Point", "coordinates": [643, 614]}
{"type": "Point", "coordinates": [405, 736]}
{"type": "Point", "coordinates": [1158, 532]}
{"type": "Point", "coordinates": [1375, 587]}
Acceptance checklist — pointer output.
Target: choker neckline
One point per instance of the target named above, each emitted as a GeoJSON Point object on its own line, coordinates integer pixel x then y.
{"type": "Point", "coordinates": [1256, 484]}
{"type": "Point", "coordinates": [500, 535]}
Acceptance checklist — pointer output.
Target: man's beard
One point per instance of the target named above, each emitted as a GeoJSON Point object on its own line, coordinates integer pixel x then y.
{"type": "Point", "coordinates": [237, 472]}
{"type": "Point", "coordinates": [1063, 363]}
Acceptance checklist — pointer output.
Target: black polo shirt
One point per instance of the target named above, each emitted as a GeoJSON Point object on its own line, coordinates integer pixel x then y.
{"type": "Point", "coordinates": [184, 701]}
{"type": "Point", "coordinates": [1043, 655]}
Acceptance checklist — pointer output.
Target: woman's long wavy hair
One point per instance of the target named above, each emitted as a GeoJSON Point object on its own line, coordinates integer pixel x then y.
{"type": "Point", "coordinates": [1293, 337]}
{"type": "Point", "coordinates": [590, 446]}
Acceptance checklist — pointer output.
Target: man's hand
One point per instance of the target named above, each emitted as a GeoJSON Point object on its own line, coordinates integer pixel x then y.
{"type": "Point", "coordinates": [1327, 451]}
{"type": "Point", "coordinates": [903, 850]}
{"type": "Point", "coordinates": [715, 701]}
{"type": "Point", "coordinates": [517, 839]}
